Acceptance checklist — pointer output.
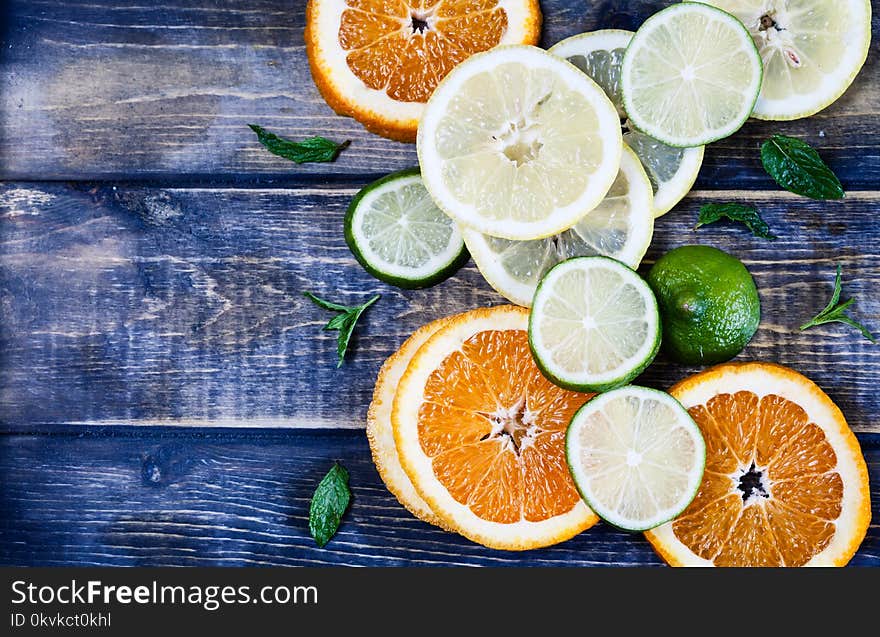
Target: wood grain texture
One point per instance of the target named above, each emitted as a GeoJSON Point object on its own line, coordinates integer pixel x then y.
{"type": "Point", "coordinates": [102, 89]}
{"type": "Point", "coordinates": [131, 305]}
{"type": "Point", "coordinates": [162, 500]}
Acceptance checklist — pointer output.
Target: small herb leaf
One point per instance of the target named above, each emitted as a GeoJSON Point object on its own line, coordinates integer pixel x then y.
{"type": "Point", "coordinates": [344, 322]}
{"type": "Point", "coordinates": [329, 502]}
{"type": "Point", "coordinates": [834, 313]}
{"type": "Point", "coordinates": [797, 167]}
{"type": "Point", "coordinates": [313, 149]}
{"type": "Point", "coordinates": [748, 215]}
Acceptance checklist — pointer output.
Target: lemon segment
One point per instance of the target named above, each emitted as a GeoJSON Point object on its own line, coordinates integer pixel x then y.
{"type": "Point", "coordinates": [812, 51]}
{"type": "Point", "coordinates": [517, 143]}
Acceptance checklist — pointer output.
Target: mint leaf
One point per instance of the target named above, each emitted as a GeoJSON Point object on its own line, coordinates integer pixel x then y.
{"type": "Point", "coordinates": [313, 149]}
{"type": "Point", "coordinates": [329, 502]}
{"type": "Point", "coordinates": [834, 313]}
{"type": "Point", "coordinates": [748, 215]}
{"type": "Point", "coordinates": [344, 322]}
{"type": "Point", "coordinates": [797, 167]}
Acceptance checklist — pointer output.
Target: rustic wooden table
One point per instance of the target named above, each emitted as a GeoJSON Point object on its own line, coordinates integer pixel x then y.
{"type": "Point", "coordinates": [166, 394]}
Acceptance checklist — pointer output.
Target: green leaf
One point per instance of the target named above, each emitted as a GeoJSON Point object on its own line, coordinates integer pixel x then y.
{"type": "Point", "coordinates": [748, 215]}
{"type": "Point", "coordinates": [797, 167]}
{"type": "Point", "coordinates": [329, 502]}
{"type": "Point", "coordinates": [344, 322]}
{"type": "Point", "coordinates": [313, 149]}
{"type": "Point", "coordinates": [834, 313]}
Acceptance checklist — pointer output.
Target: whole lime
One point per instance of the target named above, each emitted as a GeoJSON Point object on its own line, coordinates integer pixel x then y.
{"type": "Point", "coordinates": [709, 306]}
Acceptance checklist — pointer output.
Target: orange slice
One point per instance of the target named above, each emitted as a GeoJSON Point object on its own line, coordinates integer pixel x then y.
{"type": "Point", "coordinates": [379, 60]}
{"type": "Point", "coordinates": [380, 433]}
{"type": "Point", "coordinates": [481, 434]}
{"type": "Point", "coordinates": [785, 481]}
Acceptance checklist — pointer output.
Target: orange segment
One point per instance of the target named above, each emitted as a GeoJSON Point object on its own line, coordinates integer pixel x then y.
{"type": "Point", "coordinates": [379, 60]}
{"type": "Point", "coordinates": [481, 434]}
{"type": "Point", "coordinates": [785, 481]}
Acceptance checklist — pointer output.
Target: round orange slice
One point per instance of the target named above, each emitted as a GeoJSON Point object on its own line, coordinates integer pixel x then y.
{"type": "Point", "coordinates": [380, 433]}
{"type": "Point", "coordinates": [785, 481]}
{"type": "Point", "coordinates": [379, 60]}
{"type": "Point", "coordinates": [481, 434]}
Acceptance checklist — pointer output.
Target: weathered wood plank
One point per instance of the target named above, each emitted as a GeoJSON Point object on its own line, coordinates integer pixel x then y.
{"type": "Point", "coordinates": [165, 500]}
{"type": "Point", "coordinates": [133, 305]}
{"type": "Point", "coordinates": [98, 89]}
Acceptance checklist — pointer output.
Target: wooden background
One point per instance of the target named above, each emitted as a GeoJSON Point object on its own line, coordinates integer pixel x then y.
{"type": "Point", "coordinates": [166, 394]}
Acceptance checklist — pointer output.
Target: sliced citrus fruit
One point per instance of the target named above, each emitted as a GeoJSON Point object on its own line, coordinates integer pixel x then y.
{"type": "Point", "coordinates": [785, 481]}
{"type": "Point", "coordinates": [636, 457]}
{"type": "Point", "coordinates": [691, 75]}
{"type": "Point", "coordinates": [594, 325]}
{"type": "Point", "coordinates": [812, 50]}
{"type": "Point", "coordinates": [518, 143]}
{"type": "Point", "coordinates": [672, 171]}
{"type": "Point", "coordinates": [620, 227]}
{"type": "Point", "coordinates": [379, 60]}
{"type": "Point", "coordinates": [380, 434]}
{"type": "Point", "coordinates": [481, 434]}
{"type": "Point", "coordinates": [398, 234]}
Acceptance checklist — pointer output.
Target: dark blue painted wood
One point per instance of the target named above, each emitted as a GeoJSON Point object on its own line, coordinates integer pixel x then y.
{"type": "Point", "coordinates": [234, 500]}
{"type": "Point", "coordinates": [178, 84]}
{"type": "Point", "coordinates": [129, 301]}
{"type": "Point", "coordinates": [143, 305]}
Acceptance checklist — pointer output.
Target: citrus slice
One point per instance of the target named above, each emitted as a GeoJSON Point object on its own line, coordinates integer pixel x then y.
{"type": "Point", "coordinates": [691, 75]}
{"type": "Point", "coordinates": [594, 324]}
{"type": "Point", "coordinates": [812, 50]}
{"type": "Point", "coordinates": [379, 60]}
{"type": "Point", "coordinates": [518, 144]}
{"type": "Point", "coordinates": [672, 171]}
{"type": "Point", "coordinates": [785, 481]}
{"type": "Point", "coordinates": [380, 434]}
{"type": "Point", "coordinates": [636, 457]}
{"type": "Point", "coordinates": [620, 227]}
{"type": "Point", "coordinates": [481, 434]}
{"type": "Point", "coordinates": [398, 234]}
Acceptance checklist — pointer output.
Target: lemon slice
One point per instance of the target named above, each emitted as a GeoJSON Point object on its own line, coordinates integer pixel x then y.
{"type": "Point", "coordinates": [691, 75]}
{"type": "Point", "coordinates": [620, 227]}
{"type": "Point", "coordinates": [672, 171]}
{"type": "Point", "coordinates": [812, 50]}
{"type": "Point", "coordinates": [518, 144]}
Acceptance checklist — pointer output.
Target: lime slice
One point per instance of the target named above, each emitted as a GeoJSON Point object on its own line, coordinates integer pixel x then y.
{"type": "Point", "coordinates": [691, 75]}
{"type": "Point", "coordinates": [400, 236]}
{"type": "Point", "coordinates": [672, 171]}
{"type": "Point", "coordinates": [636, 457]}
{"type": "Point", "coordinates": [594, 324]}
{"type": "Point", "coordinates": [812, 50]}
{"type": "Point", "coordinates": [620, 227]}
{"type": "Point", "coordinates": [518, 144]}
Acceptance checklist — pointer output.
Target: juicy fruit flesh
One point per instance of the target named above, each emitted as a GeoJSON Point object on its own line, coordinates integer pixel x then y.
{"type": "Point", "coordinates": [405, 227]}
{"type": "Point", "coordinates": [526, 135]}
{"type": "Point", "coordinates": [637, 457]}
{"type": "Point", "coordinates": [405, 47]}
{"type": "Point", "coordinates": [495, 430]}
{"type": "Point", "coordinates": [799, 42]}
{"type": "Point", "coordinates": [770, 493]}
{"type": "Point", "coordinates": [595, 321]}
{"type": "Point", "coordinates": [660, 161]}
{"type": "Point", "coordinates": [603, 232]}
{"type": "Point", "coordinates": [690, 75]}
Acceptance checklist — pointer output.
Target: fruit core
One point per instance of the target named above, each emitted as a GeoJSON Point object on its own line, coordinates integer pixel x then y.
{"type": "Point", "coordinates": [514, 427]}
{"type": "Point", "coordinates": [752, 483]}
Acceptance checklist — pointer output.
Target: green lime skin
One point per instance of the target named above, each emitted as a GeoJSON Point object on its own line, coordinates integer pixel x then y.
{"type": "Point", "coordinates": [709, 305]}
{"type": "Point", "coordinates": [402, 282]}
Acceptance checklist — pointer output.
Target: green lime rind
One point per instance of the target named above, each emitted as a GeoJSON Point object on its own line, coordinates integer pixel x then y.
{"type": "Point", "coordinates": [648, 128]}
{"type": "Point", "coordinates": [379, 269]}
{"type": "Point", "coordinates": [627, 372]}
{"type": "Point", "coordinates": [580, 482]}
{"type": "Point", "coordinates": [709, 304]}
